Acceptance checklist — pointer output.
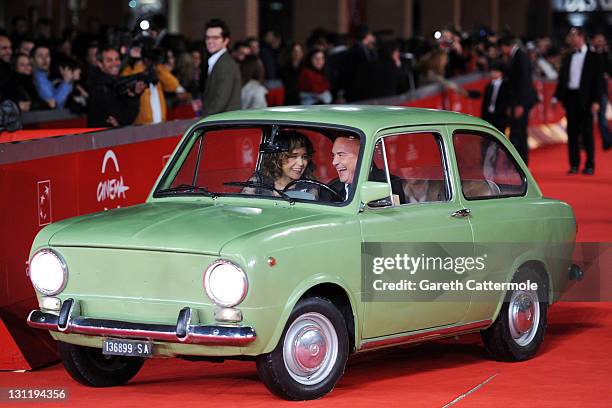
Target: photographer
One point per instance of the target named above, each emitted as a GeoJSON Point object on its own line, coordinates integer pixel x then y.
{"type": "Point", "coordinates": [107, 106]}
{"type": "Point", "coordinates": [147, 62]}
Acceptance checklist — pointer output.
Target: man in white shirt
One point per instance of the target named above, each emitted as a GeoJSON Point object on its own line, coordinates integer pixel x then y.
{"type": "Point", "coordinates": [223, 84]}
{"type": "Point", "coordinates": [495, 101]}
{"type": "Point", "coordinates": [579, 89]}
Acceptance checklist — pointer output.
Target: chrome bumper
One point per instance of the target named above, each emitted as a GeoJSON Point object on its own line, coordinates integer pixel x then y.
{"type": "Point", "coordinates": [70, 321]}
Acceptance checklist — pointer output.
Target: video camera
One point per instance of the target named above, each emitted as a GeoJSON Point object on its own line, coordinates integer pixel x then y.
{"type": "Point", "coordinates": [124, 85]}
{"type": "Point", "coordinates": [10, 116]}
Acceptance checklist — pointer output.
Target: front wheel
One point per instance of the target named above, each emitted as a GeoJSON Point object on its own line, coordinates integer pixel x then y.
{"type": "Point", "coordinates": [90, 367]}
{"type": "Point", "coordinates": [518, 331]}
{"type": "Point", "coordinates": [311, 354]}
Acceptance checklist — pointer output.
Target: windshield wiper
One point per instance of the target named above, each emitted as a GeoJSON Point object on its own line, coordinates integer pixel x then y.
{"type": "Point", "coordinates": [254, 184]}
{"type": "Point", "coordinates": [186, 189]}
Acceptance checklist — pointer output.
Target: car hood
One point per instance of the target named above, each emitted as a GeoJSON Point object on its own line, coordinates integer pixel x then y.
{"type": "Point", "coordinates": [176, 227]}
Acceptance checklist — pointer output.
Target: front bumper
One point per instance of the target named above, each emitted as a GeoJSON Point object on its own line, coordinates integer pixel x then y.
{"type": "Point", "coordinates": [69, 320]}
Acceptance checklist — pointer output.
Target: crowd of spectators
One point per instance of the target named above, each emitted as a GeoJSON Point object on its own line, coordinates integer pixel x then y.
{"type": "Point", "coordinates": [123, 76]}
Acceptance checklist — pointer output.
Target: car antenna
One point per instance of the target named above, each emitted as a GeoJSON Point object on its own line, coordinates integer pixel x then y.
{"type": "Point", "coordinates": [273, 133]}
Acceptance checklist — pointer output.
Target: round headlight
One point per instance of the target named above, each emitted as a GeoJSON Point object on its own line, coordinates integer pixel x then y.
{"type": "Point", "coordinates": [225, 283]}
{"type": "Point", "coordinates": [48, 272]}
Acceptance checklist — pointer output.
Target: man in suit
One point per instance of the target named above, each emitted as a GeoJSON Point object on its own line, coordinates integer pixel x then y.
{"type": "Point", "coordinates": [222, 85]}
{"type": "Point", "coordinates": [345, 153]}
{"type": "Point", "coordinates": [495, 102]}
{"type": "Point", "coordinates": [579, 89]}
{"type": "Point", "coordinates": [521, 93]}
{"type": "Point", "coordinates": [362, 52]}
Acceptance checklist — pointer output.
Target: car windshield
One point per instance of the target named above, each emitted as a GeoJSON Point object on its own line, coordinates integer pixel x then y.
{"type": "Point", "coordinates": [274, 162]}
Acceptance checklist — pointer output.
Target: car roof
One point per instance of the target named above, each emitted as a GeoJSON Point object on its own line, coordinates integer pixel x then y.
{"type": "Point", "coordinates": [368, 118]}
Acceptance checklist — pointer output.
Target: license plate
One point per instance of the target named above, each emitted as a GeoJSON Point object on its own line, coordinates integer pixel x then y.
{"type": "Point", "coordinates": [123, 347]}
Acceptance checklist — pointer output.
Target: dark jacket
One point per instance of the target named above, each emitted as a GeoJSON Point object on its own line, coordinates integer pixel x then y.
{"type": "Point", "coordinates": [6, 75]}
{"type": "Point", "coordinates": [21, 89]}
{"type": "Point", "coordinates": [498, 117]}
{"type": "Point", "coordinates": [222, 89]}
{"type": "Point", "coordinates": [378, 79]}
{"type": "Point", "coordinates": [337, 186]}
{"type": "Point", "coordinates": [105, 101]}
{"type": "Point", "coordinates": [521, 91]}
{"type": "Point", "coordinates": [591, 81]}
{"type": "Point", "coordinates": [356, 57]}
{"type": "Point", "coordinates": [289, 76]}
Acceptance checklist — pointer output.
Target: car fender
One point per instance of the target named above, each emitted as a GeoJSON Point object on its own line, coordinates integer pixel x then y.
{"type": "Point", "coordinates": [517, 264]}
{"type": "Point", "coordinates": [304, 286]}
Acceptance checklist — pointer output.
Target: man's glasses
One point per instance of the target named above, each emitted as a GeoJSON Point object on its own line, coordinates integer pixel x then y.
{"type": "Point", "coordinates": [213, 37]}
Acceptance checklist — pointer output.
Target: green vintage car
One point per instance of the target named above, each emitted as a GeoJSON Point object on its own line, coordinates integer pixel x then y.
{"type": "Point", "coordinates": [284, 236]}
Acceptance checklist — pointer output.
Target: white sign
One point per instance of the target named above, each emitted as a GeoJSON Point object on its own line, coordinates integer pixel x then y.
{"type": "Point", "coordinates": [43, 199]}
{"type": "Point", "coordinates": [111, 188]}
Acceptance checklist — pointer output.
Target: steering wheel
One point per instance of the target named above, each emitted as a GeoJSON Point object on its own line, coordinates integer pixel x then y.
{"type": "Point", "coordinates": [316, 183]}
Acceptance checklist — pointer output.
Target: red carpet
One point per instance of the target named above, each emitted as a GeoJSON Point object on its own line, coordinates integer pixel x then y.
{"type": "Point", "coordinates": [572, 368]}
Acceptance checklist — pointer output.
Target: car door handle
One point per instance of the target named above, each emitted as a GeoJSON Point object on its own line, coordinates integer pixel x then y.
{"type": "Point", "coordinates": [461, 213]}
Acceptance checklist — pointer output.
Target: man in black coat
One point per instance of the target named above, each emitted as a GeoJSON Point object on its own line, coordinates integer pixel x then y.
{"type": "Point", "coordinates": [106, 106]}
{"type": "Point", "coordinates": [495, 101]}
{"type": "Point", "coordinates": [361, 53]}
{"type": "Point", "coordinates": [521, 93]}
{"type": "Point", "coordinates": [6, 51]}
{"type": "Point", "coordinates": [579, 89]}
{"type": "Point", "coordinates": [383, 77]}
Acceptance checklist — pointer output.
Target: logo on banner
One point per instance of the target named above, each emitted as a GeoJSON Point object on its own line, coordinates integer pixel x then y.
{"type": "Point", "coordinates": [111, 188]}
{"type": "Point", "coordinates": [247, 153]}
{"type": "Point", "coordinates": [44, 202]}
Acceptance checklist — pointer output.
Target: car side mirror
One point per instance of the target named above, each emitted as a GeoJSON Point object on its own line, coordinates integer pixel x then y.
{"type": "Point", "coordinates": [374, 191]}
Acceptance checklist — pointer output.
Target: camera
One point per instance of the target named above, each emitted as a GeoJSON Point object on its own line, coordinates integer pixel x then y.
{"type": "Point", "coordinates": [10, 116]}
{"type": "Point", "coordinates": [124, 85]}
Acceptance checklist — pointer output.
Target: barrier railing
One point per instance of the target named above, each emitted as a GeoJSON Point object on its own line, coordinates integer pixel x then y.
{"type": "Point", "coordinates": [544, 118]}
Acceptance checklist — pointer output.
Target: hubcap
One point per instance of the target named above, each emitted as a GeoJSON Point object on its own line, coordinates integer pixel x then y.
{"type": "Point", "coordinates": [524, 316]}
{"type": "Point", "coordinates": [310, 348]}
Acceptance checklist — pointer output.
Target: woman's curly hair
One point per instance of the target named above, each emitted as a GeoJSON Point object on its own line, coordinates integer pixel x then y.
{"type": "Point", "coordinates": [272, 164]}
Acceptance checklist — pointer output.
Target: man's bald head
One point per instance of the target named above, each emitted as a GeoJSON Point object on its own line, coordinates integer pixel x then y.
{"type": "Point", "coordinates": [345, 153]}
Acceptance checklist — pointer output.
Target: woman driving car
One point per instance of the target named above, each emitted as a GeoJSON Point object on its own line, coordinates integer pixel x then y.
{"type": "Point", "coordinates": [292, 164]}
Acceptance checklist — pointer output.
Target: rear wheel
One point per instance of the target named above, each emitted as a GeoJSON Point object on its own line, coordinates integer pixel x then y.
{"type": "Point", "coordinates": [311, 354]}
{"type": "Point", "coordinates": [90, 367]}
{"type": "Point", "coordinates": [518, 331]}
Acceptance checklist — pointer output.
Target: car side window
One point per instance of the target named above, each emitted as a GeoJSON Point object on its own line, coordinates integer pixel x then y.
{"type": "Point", "coordinates": [415, 168]}
{"type": "Point", "coordinates": [486, 167]}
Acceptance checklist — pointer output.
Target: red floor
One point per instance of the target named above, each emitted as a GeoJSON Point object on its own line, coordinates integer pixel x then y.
{"type": "Point", "coordinates": [572, 369]}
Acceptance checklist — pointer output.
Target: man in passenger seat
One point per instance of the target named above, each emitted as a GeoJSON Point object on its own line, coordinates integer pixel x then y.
{"type": "Point", "coordinates": [424, 190]}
